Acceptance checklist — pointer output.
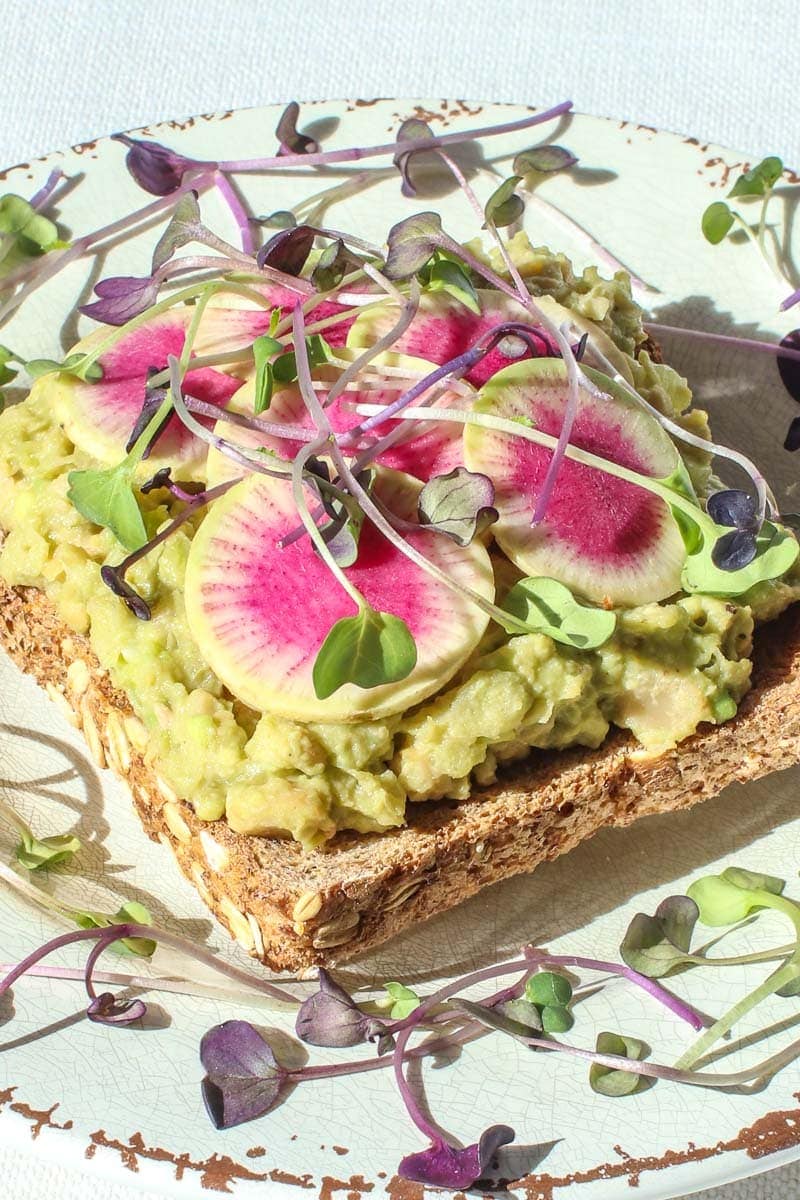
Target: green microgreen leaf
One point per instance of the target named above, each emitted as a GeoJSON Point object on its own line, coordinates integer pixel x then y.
{"type": "Point", "coordinates": [499, 1018]}
{"type": "Point", "coordinates": [332, 265]}
{"type": "Point", "coordinates": [504, 206]}
{"type": "Point", "coordinates": [608, 1081]}
{"type": "Point", "coordinates": [521, 1010]}
{"type": "Point", "coordinates": [107, 498]}
{"type": "Point", "coordinates": [370, 649]}
{"type": "Point", "coordinates": [459, 505]}
{"type": "Point", "coordinates": [74, 365]}
{"type": "Point", "coordinates": [282, 218]}
{"type": "Point", "coordinates": [444, 274]}
{"type": "Point", "coordinates": [411, 243]}
{"type": "Point", "coordinates": [184, 226]}
{"type": "Point", "coordinates": [728, 898]}
{"type": "Point", "coordinates": [284, 368]}
{"type": "Point", "coordinates": [556, 1019]}
{"type": "Point", "coordinates": [776, 551]}
{"type": "Point", "coordinates": [549, 607]}
{"type": "Point", "coordinates": [759, 179]}
{"type": "Point", "coordinates": [655, 945]}
{"type": "Point", "coordinates": [717, 222]}
{"type": "Point", "coordinates": [264, 349]}
{"type": "Point", "coordinates": [28, 233]}
{"type": "Point", "coordinates": [404, 1000]}
{"type": "Point", "coordinates": [543, 160]}
{"type": "Point", "coordinates": [34, 853]}
{"type": "Point", "coordinates": [548, 989]}
{"type": "Point", "coordinates": [7, 373]}
{"type": "Point", "coordinates": [131, 912]}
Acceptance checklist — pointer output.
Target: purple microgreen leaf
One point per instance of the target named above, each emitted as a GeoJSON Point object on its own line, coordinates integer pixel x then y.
{"type": "Point", "coordinates": [733, 507]}
{"type": "Point", "coordinates": [155, 168]}
{"type": "Point", "coordinates": [107, 1009]}
{"type": "Point", "coordinates": [290, 141]}
{"type": "Point", "coordinates": [184, 226]}
{"type": "Point", "coordinates": [332, 1018]}
{"type": "Point", "coordinates": [459, 505]}
{"type": "Point", "coordinates": [264, 350]}
{"type": "Point", "coordinates": [546, 606]}
{"type": "Point", "coordinates": [368, 650]}
{"type": "Point", "coordinates": [187, 491]}
{"type": "Point", "coordinates": [443, 1165]}
{"type": "Point", "coordinates": [792, 439]}
{"type": "Point", "coordinates": [759, 179]}
{"type": "Point", "coordinates": [411, 243]}
{"type": "Point", "coordinates": [342, 533]}
{"type": "Point", "coordinates": [332, 265]}
{"type": "Point", "coordinates": [543, 160]}
{"type": "Point", "coordinates": [504, 206]}
{"type": "Point", "coordinates": [287, 250]}
{"type": "Point", "coordinates": [403, 999]}
{"type": "Point", "coordinates": [789, 367]}
{"type": "Point", "coordinates": [107, 498]}
{"type": "Point", "coordinates": [655, 945]}
{"type": "Point", "coordinates": [122, 298]}
{"type": "Point", "coordinates": [716, 222]}
{"type": "Point", "coordinates": [153, 399]}
{"type": "Point", "coordinates": [115, 581]}
{"type": "Point", "coordinates": [411, 130]}
{"type": "Point", "coordinates": [608, 1081]}
{"type": "Point", "coordinates": [243, 1078]}
{"type": "Point", "coordinates": [734, 550]}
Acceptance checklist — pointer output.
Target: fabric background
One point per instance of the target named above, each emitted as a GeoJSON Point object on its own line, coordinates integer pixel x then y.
{"type": "Point", "coordinates": [723, 70]}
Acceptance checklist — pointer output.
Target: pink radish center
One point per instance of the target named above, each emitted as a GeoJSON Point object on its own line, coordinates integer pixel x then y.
{"type": "Point", "coordinates": [440, 338]}
{"type": "Point", "coordinates": [117, 399]}
{"type": "Point", "coordinates": [288, 597]}
{"type": "Point", "coordinates": [602, 517]}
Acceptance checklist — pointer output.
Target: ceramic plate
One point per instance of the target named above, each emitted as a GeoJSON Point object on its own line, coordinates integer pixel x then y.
{"type": "Point", "coordinates": [126, 1103]}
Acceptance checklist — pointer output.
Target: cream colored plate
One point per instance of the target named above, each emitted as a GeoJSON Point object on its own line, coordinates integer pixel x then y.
{"type": "Point", "coordinates": [126, 1103]}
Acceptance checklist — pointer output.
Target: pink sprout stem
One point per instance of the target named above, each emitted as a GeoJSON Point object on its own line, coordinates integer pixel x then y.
{"type": "Point", "coordinates": [790, 301]}
{"type": "Point", "coordinates": [725, 339]}
{"type": "Point", "coordinates": [40, 198]}
{"type": "Point", "coordinates": [282, 161]}
{"type": "Point", "coordinates": [234, 203]}
{"type": "Point", "coordinates": [112, 933]}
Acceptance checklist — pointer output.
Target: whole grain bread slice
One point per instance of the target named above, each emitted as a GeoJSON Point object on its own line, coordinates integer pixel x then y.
{"type": "Point", "coordinates": [293, 909]}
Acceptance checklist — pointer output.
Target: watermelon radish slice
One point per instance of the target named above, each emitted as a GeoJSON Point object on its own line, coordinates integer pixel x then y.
{"type": "Point", "coordinates": [444, 328]}
{"type": "Point", "coordinates": [98, 417]}
{"type": "Point", "coordinates": [605, 538]}
{"type": "Point", "coordinates": [259, 614]}
{"type": "Point", "coordinates": [236, 322]}
{"type": "Point", "coordinates": [434, 449]}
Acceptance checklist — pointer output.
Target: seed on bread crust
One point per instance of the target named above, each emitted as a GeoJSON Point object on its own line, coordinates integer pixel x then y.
{"type": "Point", "coordinates": [92, 734]}
{"type": "Point", "coordinates": [306, 907]}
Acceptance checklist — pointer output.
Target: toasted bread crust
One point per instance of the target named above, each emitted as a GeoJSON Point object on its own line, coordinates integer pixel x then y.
{"type": "Point", "coordinates": [293, 909]}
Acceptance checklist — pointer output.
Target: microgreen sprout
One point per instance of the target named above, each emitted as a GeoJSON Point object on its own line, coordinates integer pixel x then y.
{"type": "Point", "coordinates": [720, 219]}
{"type": "Point", "coordinates": [35, 853]}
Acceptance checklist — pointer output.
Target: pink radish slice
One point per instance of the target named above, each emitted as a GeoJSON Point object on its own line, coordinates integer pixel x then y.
{"type": "Point", "coordinates": [99, 417]}
{"type": "Point", "coordinates": [603, 537]}
{"type": "Point", "coordinates": [434, 449]}
{"type": "Point", "coordinates": [259, 614]}
{"type": "Point", "coordinates": [231, 327]}
{"type": "Point", "coordinates": [444, 328]}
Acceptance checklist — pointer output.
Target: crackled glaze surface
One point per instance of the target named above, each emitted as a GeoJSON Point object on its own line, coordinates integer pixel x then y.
{"type": "Point", "coordinates": [126, 1102]}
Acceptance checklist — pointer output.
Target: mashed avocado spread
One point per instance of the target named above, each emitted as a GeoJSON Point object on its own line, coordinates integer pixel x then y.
{"type": "Point", "coordinates": [668, 667]}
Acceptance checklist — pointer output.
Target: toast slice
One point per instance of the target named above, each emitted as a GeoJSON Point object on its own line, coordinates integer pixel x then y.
{"type": "Point", "coordinates": [293, 909]}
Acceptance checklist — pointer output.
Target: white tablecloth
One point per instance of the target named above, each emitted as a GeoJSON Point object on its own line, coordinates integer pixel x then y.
{"type": "Point", "coordinates": [723, 70]}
